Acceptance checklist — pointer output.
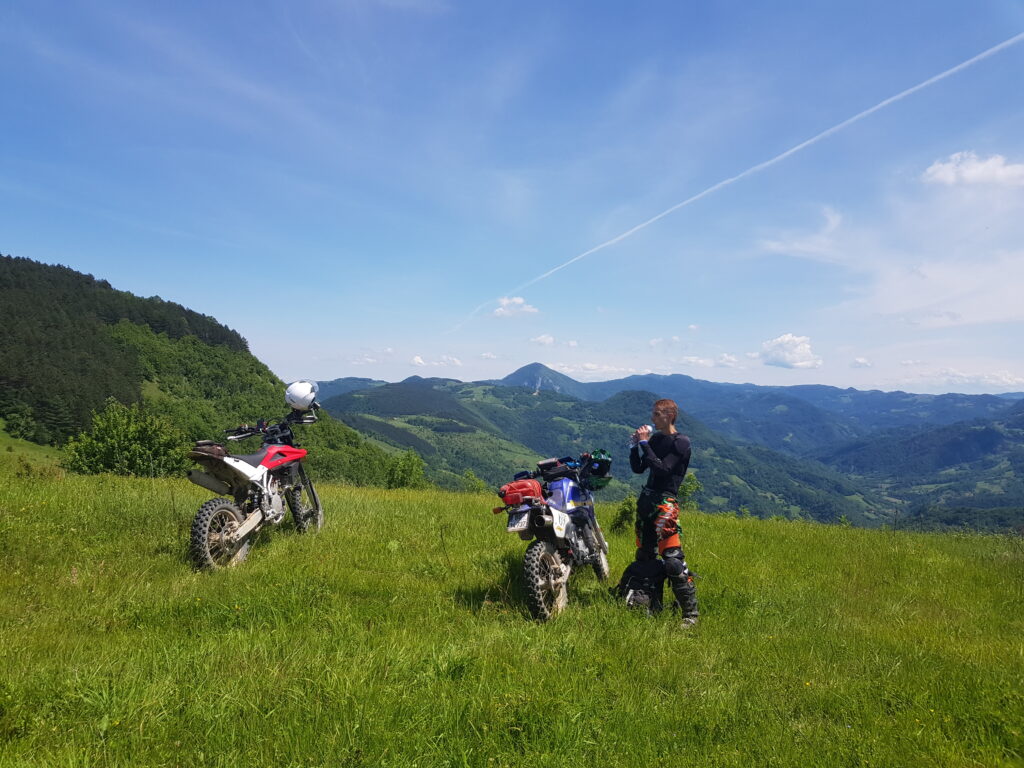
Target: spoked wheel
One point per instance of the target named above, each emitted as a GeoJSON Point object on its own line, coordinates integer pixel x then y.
{"type": "Point", "coordinates": [306, 510]}
{"type": "Point", "coordinates": [601, 566]}
{"type": "Point", "coordinates": [598, 550]}
{"type": "Point", "coordinates": [210, 546]}
{"type": "Point", "coordinates": [545, 580]}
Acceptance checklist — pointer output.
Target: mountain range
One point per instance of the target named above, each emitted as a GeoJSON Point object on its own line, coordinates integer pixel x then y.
{"type": "Point", "coordinates": [814, 451]}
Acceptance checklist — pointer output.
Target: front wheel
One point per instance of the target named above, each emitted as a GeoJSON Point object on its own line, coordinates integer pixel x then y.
{"type": "Point", "coordinates": [601, 566]}
{"type": "Point", "coordinates": [305, 506]}
{"type": "Point", "coordinates": [598, 552]}
{"type": "Point", "coordinates": [210, 546]}
{"type": "Point", "coordinates": [545, 579]}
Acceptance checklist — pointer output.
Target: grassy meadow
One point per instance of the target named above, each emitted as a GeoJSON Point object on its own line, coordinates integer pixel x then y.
{"type": "Point", "coordinates": [398, 636]}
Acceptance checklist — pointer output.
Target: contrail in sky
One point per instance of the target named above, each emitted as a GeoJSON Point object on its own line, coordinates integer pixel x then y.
{"type": "Point", "coordinates": [761, 166]}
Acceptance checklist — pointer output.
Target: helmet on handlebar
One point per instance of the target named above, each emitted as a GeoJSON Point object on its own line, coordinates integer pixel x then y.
{"type": "Point", "coordinates": [301, 395]}
{"type": "Point", "coordinates": [598, 469]}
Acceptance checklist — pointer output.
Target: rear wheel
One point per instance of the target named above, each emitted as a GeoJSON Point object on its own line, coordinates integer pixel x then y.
{"type": "Point", "coordinates": [210, 546]}
{"type": "Point", "coordinates": [545, 579]}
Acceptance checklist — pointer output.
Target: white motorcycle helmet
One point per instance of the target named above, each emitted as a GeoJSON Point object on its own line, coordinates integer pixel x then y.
{"type": "Point", "coordinates": [301, 395]}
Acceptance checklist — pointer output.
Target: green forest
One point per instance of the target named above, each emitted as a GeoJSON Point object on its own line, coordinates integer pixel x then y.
{"type": "Point", "coordinates": [72, 344]}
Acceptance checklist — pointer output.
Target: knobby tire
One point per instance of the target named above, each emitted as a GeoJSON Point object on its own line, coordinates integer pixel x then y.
{"type": "Point", "coordinates": [306, 510]}
{"type": "Point", "coordinates": [542, 600]}
{"type": "Point", "coordinates": [207, 548]}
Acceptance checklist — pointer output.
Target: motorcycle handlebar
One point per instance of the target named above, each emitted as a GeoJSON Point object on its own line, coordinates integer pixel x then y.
{"type": "Point", "coordinates": [264, 427]}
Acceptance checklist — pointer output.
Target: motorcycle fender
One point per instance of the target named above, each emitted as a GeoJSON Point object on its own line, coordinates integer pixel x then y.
{"type": "Point", "coordinates": [255, 474]}
{"type": "Point", "coordinates": [209, 482]}
{"type": "Point", "coordinates": [560, 522]}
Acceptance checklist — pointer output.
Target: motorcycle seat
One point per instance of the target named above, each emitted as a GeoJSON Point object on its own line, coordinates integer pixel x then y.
{"type": "Point", "coordinates": [253, 458]}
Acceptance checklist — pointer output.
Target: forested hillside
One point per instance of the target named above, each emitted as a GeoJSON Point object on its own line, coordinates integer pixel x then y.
{"type": "Point", "coordinates": [968, 473]}
{"type": "Point", "coordinates": [69, 341]}
{"type": "Point", "coordinates": [59, 359]}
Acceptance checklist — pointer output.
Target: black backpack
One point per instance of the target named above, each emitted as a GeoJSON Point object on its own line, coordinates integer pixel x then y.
{"type": "Point", "coordinates": [642, 584]}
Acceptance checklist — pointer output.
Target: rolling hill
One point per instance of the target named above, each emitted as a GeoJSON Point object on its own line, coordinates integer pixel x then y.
{"type": "Point", "coordinates": [967, 473]}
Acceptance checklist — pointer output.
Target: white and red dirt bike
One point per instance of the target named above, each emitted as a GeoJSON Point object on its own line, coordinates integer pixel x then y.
{"type": "Point", "coordinates": [257, 488]}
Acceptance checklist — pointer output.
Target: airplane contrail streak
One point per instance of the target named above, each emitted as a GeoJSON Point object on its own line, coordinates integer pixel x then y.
{"type": "Point", "coordinates": [761, 166]}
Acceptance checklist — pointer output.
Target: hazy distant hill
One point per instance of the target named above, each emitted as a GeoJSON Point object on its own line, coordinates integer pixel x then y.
{"type": "Point", "coordinates": [799, 420]}
{"type": "Point", "coordinates": [495, 430]}
{"type": "Point", "coordinates": [340, 386]}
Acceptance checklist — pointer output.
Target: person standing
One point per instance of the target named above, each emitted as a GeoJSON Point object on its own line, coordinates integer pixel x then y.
{"type": "Point", "coordinates": [666, 455]}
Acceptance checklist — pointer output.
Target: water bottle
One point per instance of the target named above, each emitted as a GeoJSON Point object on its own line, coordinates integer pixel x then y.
{"type": "Point", "coordinates": [632, 439]}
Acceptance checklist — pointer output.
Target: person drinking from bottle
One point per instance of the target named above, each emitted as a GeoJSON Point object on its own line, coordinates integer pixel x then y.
{"type": "Point", "coordinates": [666, 455]}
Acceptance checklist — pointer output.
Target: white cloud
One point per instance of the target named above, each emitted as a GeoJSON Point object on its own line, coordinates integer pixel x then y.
{"type": "Point", "coordinates": [514, 305]}
{"type": "Point", "coordinates": [675, 339]}
{"type": "Point", "coordinates": [967, 168]}
{"type": "Point", "coordinates": [702, 362]}
{"type": "Point", "coordinates": [692, 327]}
{"type": "Point", "coordinates": [952, 292]}
{"type": "Point", "coordinates": [443, 362]}
{"type": "Point", "coordinates": [860, 362]}
{"type": "Point", "coordinates": [572, 343]}
{"type": "Point", "coordinates": [789, 351]}
{"type": "Point", "coordinates": [953, 380]}
{"type": "Point", "coordinates": [363, 360]}
{"type": "Point", "coordinates": [489, 356]}
{"type": "Point", "coordinates": [591, 369]}
{"type": "Point", "coordinates": [654, 342]}
{"type": "Point", "coordinates": [911, 362]}
{"type": "Point", "coordinates": [545, 339]}
{"type": "Point", "coordinates": [727, 361]}
{"type": "Point", "coordinates": [818, 245]}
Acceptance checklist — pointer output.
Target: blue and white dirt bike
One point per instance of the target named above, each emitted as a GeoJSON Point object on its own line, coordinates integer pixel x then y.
{"type": "Point", "coordinates": [554, 507]}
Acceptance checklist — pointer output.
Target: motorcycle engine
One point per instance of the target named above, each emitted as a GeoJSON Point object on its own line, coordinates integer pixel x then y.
{"type": "Point", "coordinates": [273, 504]}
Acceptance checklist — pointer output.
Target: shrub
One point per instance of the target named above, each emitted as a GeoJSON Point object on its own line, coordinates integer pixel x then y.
{"type": "Point", "coordinates": [473, 484]}
{"type": "Point", "coordinates": [125, 440]}
{"type": "Point", "coordinates": [625, 515]}
{"type": "Point", "coordinates": [406, 471]}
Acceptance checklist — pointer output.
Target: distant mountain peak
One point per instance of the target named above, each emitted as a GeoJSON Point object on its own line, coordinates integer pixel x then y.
{"type": "Point", "coordinates": [538, 376]}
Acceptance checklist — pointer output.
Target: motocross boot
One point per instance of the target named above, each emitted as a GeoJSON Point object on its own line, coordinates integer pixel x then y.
{"type": "Point", "coordinates": [680, 577]}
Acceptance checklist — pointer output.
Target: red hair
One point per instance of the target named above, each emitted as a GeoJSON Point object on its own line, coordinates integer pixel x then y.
{"type": "Point", "coordinates": [669, 406]}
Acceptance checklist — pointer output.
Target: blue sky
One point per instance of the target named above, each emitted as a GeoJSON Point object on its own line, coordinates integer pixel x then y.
{"type": "Point", "coordinates": [372, 187]}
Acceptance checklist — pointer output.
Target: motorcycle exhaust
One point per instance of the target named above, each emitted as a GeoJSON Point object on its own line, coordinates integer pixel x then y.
{"type": "Point", "coordinates": [542, 521]}
{"type": "Point", "coordinates": [209, 482]}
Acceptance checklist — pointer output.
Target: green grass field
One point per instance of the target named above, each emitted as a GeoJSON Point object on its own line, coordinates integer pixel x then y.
{"type": "Point", "coordinates": [398, 636]}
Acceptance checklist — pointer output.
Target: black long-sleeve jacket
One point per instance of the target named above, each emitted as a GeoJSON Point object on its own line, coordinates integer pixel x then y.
{"type": "Point", "coordinates": [666, 456]}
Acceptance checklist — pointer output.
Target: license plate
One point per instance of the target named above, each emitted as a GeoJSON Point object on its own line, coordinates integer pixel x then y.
{"type": "Point", "coordinates": [518, 521]}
